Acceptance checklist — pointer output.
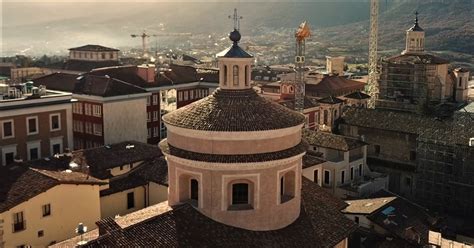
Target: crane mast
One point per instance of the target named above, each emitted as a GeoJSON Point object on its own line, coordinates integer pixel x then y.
{"type": "Point", "coordinates": [145, 35]}
{"type": "Point", "coordinates": [301, 34]}
{"type": "Point", "coordinates": [372, 84]}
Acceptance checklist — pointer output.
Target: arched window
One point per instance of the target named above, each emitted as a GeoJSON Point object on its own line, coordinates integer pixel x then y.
{"type": "Point", "coordinates": [240, 193]}
{"type": "Point", "coordinates": [291, 89]}
{"type": "Point", "coordinates": [325, 117]}
{"type": "Point", "coordinates": [246, 75]}
{"type": "Point", "coordinates": [235, 75]}
{"type": "Point", "coordinates": [225, 75]}
{"type": "Point", "coordinates": [285, 90]}
{"type": "Point", "coordinates": [316, 176]}
{"type": "Point", "coordinates": [189, 189]}
{"type": "Point", "coordinates": [194, 190]}
{"type": "Point", "coordinates": [287, 187]}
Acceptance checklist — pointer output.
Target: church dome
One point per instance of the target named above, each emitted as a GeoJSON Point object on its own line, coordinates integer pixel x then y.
{"type": "Point", "coordinates": [234, 111]}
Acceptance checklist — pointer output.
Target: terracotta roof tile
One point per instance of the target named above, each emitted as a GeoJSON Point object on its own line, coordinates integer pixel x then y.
{"type": "Point", "coordinates": [234, 110]}
{"type": "Point", "coordinates": [244, 158]}
{"type": "Point", "coordinates": [18, 183]}
{"type": "Point", "coordinates": [320, 224]}
{"type": "Point", "coordinates": [332, 141]}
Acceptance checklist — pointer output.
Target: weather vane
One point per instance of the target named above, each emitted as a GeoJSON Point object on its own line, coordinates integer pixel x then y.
{"type": "Point", "coordinates": [237, 19]}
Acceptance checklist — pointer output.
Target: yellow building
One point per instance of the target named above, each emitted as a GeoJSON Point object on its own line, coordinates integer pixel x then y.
{"type": "Point", "coordinates": [39, 207]}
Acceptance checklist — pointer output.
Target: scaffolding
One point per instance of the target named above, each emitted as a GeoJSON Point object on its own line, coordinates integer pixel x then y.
{"type": "Point", "coordinates": [404, 86]}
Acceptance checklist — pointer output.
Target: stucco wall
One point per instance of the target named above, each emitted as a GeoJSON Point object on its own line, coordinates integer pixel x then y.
{"type": "Point", "coordinates": [125, 120]}
{"type": "Point", "coordinates": [116, 204]}
{"type": "Point", "coordinates": [157, 193]}
{"type": "Point", "coordinates": [214, 191]}
{"type": "Point", "coordinates": [70, 205]}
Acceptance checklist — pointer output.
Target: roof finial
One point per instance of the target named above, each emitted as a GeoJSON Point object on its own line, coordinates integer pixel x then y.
{"type": "Point", "coordinates": [416, 17]}
{"type": "Point", "coordinates": [237, 19]}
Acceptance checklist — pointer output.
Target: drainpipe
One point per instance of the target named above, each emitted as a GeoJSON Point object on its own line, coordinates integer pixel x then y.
{"type": "Point", "coordinates": [145, 198]}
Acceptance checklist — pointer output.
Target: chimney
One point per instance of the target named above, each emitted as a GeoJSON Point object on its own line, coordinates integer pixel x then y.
{"type": "Point", "coordinates": [147, 72]}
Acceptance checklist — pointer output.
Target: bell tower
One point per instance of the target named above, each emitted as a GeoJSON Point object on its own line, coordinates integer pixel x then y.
{"type": "Point", "coordinates": [415, 40]}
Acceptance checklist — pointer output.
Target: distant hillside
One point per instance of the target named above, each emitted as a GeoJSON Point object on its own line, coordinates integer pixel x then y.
{"type": "Point", "coordinates": [449, 25]}
{"type": "Point", "coordinates": [54, 27]}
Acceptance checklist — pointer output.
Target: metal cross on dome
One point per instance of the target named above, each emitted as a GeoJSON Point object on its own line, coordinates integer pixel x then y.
{"type": "Point", "coordinates": [237, 19]}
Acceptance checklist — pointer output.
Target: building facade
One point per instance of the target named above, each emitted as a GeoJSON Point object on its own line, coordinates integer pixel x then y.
{"type": "Point", "coordinates": [35, 122]}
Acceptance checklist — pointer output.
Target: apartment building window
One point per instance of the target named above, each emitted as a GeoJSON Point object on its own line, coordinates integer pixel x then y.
{"type": "Point", "coordinates": [130, 200]}
{"type": "Point", "coordinates": [149, 133]}
{"type": "Point", "coordinates": [327, 177]}
{"type": "Point", "coordinates": [343, 176]}
{"type": "Point", "coordinates": [8, 129]}
{"type": "Point", "coordinates": [180, 96]}
{"type": "Point", "coordinates": [155, 115]}
{"type": "Point", "coordinates": [55, 122]}
{"type": "Point", "coordinates": [155, 99]}
{"type": "Point", "coordinates": [18, 222]}
{"type": "Point", "coordinates": [40, 233]}
{"type": "Point", "coordinates": [46, 210]}
{"type": "Point", "coordinates": [88, 127]}
{"type": "Point", "coordinates": [352, 173]}
{"type": "Point", "coordinates": [148, 100]}
{"type": "Point", "coordinates": [156, 132]}
{"type": "Point", "coordinates": [360, 170]}
{"type": "Point", "coordinates": [33, 154]}
{"type": "Point", "coordinates": [97, 110]}
{"type": "Point", "coordinates": [87, 109]}
{"type": "Point", "coordinates": [191, 94]}
{"type": "Point", "coordinates": [77, 126]}
{"type": "Point", "coordinates": [32, 125]}
{"type": "Point", "coordinates": [315, 176]}
{"type": "Point", "coordinates": [97, 129]}
{"type": "Point", "coordinates": [77, 108]}
{"type": "Point", "coordinates": [56, 145]}
{"type": "Point", "coordinates": [103, 55]}
{"type": "Point", "coordinates": [33, 148]}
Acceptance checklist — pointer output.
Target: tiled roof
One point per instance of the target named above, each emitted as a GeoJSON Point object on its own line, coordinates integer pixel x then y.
{"type": "Point", "coordinates": [308, 103]}
{"type": "Point", "coordinates": [234, 110]}
{"type": "Point", "coordinates": [154, 170]}
{"type": "Point", "coordinates": [126, 73]}
{"type": "Point", "coordinates": [320, 224]}
{"type": "Point", "coordinates": [244, 158]}
{"type": "Point", "coordinates": [366, 206]}
{"type": "Point", "coordinates": [104, 86]}
{"type": "Point", "coordinates": [330, 100]}
{"type": "Point", "coordinates": [424, 58]}
{"type": "Point", "coordinates": [93, 48]}
{"type": "Point", "coordinates": [99, 160]}
{"type": "Point", "coordinates": [234, 51]}
{"type": "Point", "coordinates": [310, 160]}
{"type": "Point", "coordinates": [357, 95]}
{"type": "Point", "coordinates": [332, 141]}
{"type": "Point", "coordinates": [404, 219]}
{"type": "Point", "coordinates": [456, 132]}
{"type": "Point", "coordinates": [334, 84]}
{"type": "Point", "coordinates": [18, 183]}
{"type": "Point", "coordinates": [389, 120]}
{"type": "Point", "coordinates": [85, 66]}
{"type": "Point", "coordinates": [122, 221]}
